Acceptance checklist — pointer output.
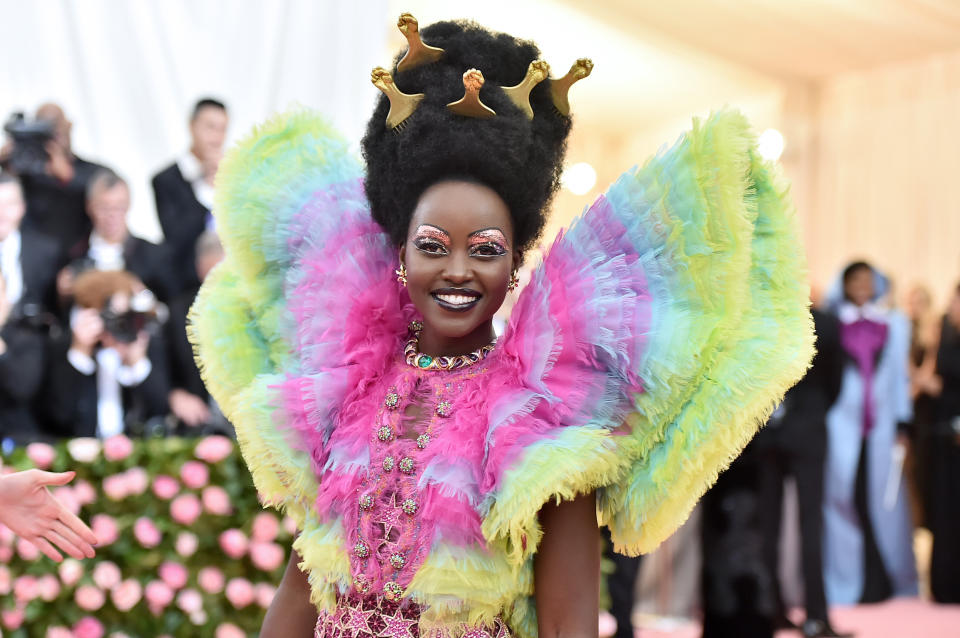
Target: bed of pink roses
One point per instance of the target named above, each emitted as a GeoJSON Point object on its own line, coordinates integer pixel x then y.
{"type": "Point", "coordinates": [185, 547]}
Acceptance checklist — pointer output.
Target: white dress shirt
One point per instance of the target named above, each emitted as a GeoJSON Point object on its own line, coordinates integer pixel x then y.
{"type": "Point", "coordinates": [111, 375]}
{"type": "Point", "coordinates": [192, 171]}
{"type": "Point", "coordinates": [105, 255]}
{"type": "Point", "coordinates": [11, 266]}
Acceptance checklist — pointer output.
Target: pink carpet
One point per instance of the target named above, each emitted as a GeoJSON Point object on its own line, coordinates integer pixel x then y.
{"type": "Point", "coordinates": [900, 618]}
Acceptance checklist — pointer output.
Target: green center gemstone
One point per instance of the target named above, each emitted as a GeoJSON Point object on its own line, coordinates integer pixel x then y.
{"type": "Point", "coordinates": [424, 361]}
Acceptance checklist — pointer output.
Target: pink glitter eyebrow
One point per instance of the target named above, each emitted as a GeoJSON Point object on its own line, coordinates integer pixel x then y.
{"type": "Point", "coordinates": [432, 232]}
{"type": "Point", "coordinates": [487, 235]}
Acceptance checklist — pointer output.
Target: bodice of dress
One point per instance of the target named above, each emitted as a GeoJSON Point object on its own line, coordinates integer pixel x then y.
{"type": "Point", "coordinates": [389, 534]}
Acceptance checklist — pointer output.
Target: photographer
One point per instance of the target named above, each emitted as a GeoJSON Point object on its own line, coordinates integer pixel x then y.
{"type": "Point", "coordinates": [110, 246]}
{"type": "Point", "coordinates": [55, 185]}
{"type": "Point", "coordinates": [111, 376]}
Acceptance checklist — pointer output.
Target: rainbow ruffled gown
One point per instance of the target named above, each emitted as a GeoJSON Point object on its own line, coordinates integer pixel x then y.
{"type": "Point", "coordinates": [654, 338]}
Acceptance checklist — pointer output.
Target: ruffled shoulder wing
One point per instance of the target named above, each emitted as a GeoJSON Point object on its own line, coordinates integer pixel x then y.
{"type": "Point", "coordinates": [656, 336]}
{"type": "Point", "coordinates": [302, 301]}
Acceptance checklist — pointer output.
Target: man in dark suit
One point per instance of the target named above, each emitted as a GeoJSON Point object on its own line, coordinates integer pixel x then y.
{"type": "Point", "coordinates": [110, 246]}
{"type": "Point", "coordinates": [28, 260]}
{"type": "Point", "coordinates": [109, 375]}
{"type": "Point", "coordinates": [191, 404]}
{"type": "Point", "coordinates": [794, 442]}
{"type": "Point", "coordinates": [28, 263]}
{"type": "Point", "coordinates": [22, 360]}
{"type": "Point", "coordinates": [184, 190]}
{"type": "Point", "coordinates": [56, 197]}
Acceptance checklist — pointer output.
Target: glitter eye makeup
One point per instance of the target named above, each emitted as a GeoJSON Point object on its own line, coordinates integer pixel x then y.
{"type": "Point", "coordinates": [490, 241]}
{"type": "Point", "coordinates": [431, 239]}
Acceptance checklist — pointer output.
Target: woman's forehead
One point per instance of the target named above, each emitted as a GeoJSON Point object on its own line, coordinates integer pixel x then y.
{"type": "Point", "coordinates": [460, 209]}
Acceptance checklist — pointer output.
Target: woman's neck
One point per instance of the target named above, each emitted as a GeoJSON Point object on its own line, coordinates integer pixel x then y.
{"type": "Point", "coordinates": [437, 345]}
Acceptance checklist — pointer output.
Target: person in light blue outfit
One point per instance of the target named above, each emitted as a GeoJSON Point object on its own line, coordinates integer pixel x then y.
{"type": "Point", "coordinates": [868, 541]}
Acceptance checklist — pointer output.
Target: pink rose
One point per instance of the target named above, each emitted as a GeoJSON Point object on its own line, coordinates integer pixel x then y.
{"type": "Point", "coordinates": [194, 474]}
{"type": "Point", "coordinates": [41, 455]}
{"type": "Point", "coordinates": [84, 450]}
{"type": "Point", "coordinates": [126, 595]}
{"type": "Point", "coordinates": [190, 601]}
{"type": "Point", "coordinates": [88, 627]}
{"type": "Point", "coordinates": [265, 527]}
{"type": "Point", "coordinates": [49, 587]}
{"type": "Point", "coordinates": [25, 588]}
{"type": "Point", "coordinates": [6, 554]}
{"type": "Point", "coordinates": [216, 500]}
{"type": "Point", "coordinates": [146, 532]}
{"type": "Point", "coordinates": [71, 570]}
{"type": "Point", "coordinates": [84, 492]}
{"type": "Point", "coordinates": [67, 498]}
{"type": "Point", "coordinates": [115, 487]}
{"type": "Point", "coordinates": [233, 543]}
{"type": "Point", "coordinates": [264, 593]}
{"type": "Point", "coordinates": [158, 595]}
{"type": "Point", "coordinates": [185, 509]}
{"type": "Point", "coordinates": [105, 529]}
{"type": "Point", "coordinates": [58, 631]}
{"type": "Point", "coordinates": [213, 449]}
{"type": "Point", "coordinates": [211, 580]}
{"type": "Point", "coordinates": [89, 598]}
{"type": "Point", "coordinates": [173, 574]}
{"type": "Point", "coordinates": [186, 544]}
{"type": "Point", "coordinates": [199, 617]}
{"type": "Point", "coordinates": [137, 480]}
{"type": "Point", "coordinates": [266, 556]}
{"type": "Point", "coordinates": [229, 630]}
{"type": "Point", "coordinates": [6, 580]}
{"type": "Point", "coordinates": [117, 448]}
{"type": "Point", "coordinates": [27, 550]}
{"type": "Point", "coordinates": [240, 592]}
{"type": "Point", "coordinates": [290, 525]}
{"type": "Point", "coordinates": [165, 487]}
{"type": "Point", "coordinates": [12, 618]}
{"type": "Point", "coordinates": [7, 536]}
{"type": "Point", "coordinates": [106, 575]}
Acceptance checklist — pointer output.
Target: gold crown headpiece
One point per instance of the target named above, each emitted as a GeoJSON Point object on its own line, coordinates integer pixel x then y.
{"type": "Point", "coordinates": [403, 105]}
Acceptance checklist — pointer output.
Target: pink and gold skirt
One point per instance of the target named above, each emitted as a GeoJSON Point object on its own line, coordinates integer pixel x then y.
{"type": "Point", "coordinates": [373, 616]}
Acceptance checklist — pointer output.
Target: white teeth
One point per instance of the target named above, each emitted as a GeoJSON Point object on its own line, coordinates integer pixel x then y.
{"type": "Point", "coordinates": [456, 300]}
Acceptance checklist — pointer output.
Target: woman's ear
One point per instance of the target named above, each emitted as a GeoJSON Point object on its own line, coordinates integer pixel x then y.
{"type": "Point", "coordinates": [403, 253]}
{"type": "Point", "coordinates": [517, 259]}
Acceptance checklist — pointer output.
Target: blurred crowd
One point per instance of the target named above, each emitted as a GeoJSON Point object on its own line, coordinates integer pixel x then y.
{"type": "Point", "coordinates": [870, 438]}
{"type": "Point", "coordinates": [93, 338]}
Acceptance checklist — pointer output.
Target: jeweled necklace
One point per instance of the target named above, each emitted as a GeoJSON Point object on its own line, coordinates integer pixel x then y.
{"type": "Point", "coordinates": [422, 361]}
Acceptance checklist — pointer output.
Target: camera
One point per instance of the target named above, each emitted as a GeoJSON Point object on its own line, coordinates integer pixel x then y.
{"type": "Point", "coordinates": [143, 315]}
{"type": "Point", "coordinates": [30, 138]}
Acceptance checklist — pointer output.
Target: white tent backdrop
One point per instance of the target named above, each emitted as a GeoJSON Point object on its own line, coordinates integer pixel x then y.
{"type": "Point", "coordinates": [127, 73]}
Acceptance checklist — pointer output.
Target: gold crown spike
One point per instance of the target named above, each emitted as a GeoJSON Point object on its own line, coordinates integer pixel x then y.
{"type": "Point", "coordinates": [470, 105]}
{"type": "Point", "coordinates": [417, 52]}
{"type": "Point", "coordinates": [402, 105]}
{"type": "Point", "coordinates": [537, 72]}
{"type": "Point", "coordinates": [561, 86]}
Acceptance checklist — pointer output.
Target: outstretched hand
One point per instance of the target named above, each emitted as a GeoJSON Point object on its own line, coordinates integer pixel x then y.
{"type": "Point", "coordinates": [32, 513]}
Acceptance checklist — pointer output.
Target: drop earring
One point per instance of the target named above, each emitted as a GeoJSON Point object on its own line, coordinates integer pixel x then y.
{"type": "Point", "coordinates": [514, 282]}
{"type": "Point", "coordinates": [402, 275]}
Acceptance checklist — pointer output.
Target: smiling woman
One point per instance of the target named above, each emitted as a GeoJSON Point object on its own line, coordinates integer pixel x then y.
{"type": "Point", "coordinates": [446, 484]}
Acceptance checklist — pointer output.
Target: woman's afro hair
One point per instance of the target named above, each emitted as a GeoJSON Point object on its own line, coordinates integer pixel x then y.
{"type": "Point", "coordinates": [520, 159]}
